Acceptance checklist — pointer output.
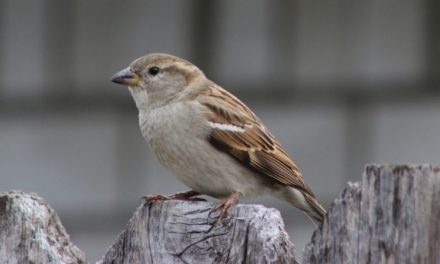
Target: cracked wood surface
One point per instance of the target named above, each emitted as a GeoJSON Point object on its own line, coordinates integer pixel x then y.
{"type": "Point", "coordinates": [392, 217]}
{"type": "Point", "coordinates": [183, 232]}
{"type": "Point", "coordinates": [31, 232]}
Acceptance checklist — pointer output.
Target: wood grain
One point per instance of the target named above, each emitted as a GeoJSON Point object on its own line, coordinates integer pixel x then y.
{"type": "Point", "coordinates": [183, 232]}
{"type": "Point", "coordinates": [31, 232]}
{"type": "Point", "coordinates": [392, 217]}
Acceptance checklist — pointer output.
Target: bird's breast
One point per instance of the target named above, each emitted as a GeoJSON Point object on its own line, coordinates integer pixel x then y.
{"type": "Point", "coordinates": [174, 132]}
{"type": "Point", "coordinates": [178, 137]}
{"type": "Point", "coordinates": [173, 124]}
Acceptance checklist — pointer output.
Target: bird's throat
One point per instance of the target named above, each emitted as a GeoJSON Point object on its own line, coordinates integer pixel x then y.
{"type": "Point", "coordinates": [140, 96]}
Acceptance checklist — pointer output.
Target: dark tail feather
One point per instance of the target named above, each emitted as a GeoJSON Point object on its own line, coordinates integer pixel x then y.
{"type": "Point", "coordinates": [315, 210]}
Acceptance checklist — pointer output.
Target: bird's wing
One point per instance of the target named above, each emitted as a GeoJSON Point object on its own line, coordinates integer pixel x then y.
{"type": "Point", "coordinates": [238, 132]}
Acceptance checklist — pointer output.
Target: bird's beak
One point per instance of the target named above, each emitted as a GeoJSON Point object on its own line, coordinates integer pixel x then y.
{"type": "Point", "coordinates": [127, 77]}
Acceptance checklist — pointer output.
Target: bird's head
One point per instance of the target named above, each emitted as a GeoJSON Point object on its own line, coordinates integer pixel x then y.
{"type": "Point", "coordinates": [158, 78]}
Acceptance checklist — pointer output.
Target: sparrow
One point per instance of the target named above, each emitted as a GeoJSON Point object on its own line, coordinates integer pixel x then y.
{"type": "Point", "coordinates": [210, 139]}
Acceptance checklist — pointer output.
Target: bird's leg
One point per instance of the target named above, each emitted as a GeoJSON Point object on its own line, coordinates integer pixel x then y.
{"type": "Point", "coordinates": [187, 196]}
{"type": "Point", "coordinates": [226, 205]}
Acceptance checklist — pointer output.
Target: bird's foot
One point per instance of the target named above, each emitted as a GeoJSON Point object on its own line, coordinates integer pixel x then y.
{"type": "Point", "coordinates": [226, 206]}
{"type": "Point", "coordinates": [186, 196]}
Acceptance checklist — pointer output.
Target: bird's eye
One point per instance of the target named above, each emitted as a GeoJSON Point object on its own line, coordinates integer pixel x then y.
{"type": "Point", "coordinates": [153, 70]}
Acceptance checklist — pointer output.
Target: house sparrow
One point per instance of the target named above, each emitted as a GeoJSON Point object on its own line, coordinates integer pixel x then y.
{"type": "Point", "coordinates": [209, 139]}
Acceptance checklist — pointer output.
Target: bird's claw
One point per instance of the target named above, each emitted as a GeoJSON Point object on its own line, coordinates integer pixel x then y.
{"type": "Point", "coordinates": [155, 197]}
{"type": "Point", "coordinates": [226, 206]}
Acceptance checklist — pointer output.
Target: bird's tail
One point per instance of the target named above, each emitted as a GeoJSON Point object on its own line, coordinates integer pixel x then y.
{"type": "Point", "coordinates": [306, 202]}
{"type": "Point", "coordinates": [314, 210]}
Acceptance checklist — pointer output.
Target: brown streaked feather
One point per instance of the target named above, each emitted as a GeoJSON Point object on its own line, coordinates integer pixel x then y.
{"type": "Point", "coordinates": [255, 148]}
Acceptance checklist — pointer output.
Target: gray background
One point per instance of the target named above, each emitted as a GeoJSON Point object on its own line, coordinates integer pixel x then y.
{"type": "Point", "coordinates": [340, 83]}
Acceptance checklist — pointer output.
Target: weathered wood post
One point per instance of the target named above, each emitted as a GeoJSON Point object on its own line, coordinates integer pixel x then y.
{"type": "Point", "coordinates": [183, 232]}
{"type": "Point", "coordinates": [31, 232]}
{"type": "Point", "coordinates": [159, 232]}
{"type": "Point", "coordinates": [392, 217]}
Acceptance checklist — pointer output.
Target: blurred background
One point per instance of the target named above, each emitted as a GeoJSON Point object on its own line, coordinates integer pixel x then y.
{"type": "Point", "coordinates": [340, 83]}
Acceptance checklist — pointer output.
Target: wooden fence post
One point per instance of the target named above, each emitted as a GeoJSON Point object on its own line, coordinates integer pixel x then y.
{"type": "Point", "coordinates": [183, 232]}
{"type": "Point", "coordinates": [392, 217]}
{"type": "Point", "coordinates": [31, 232]}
